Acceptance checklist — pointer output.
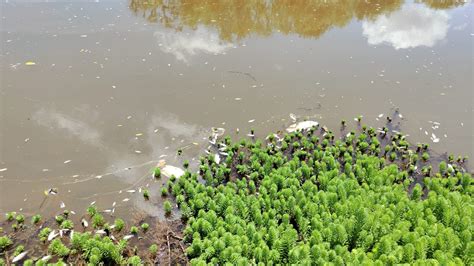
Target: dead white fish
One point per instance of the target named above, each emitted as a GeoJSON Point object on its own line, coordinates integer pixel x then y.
{"type": "Point", "coordinates": [62, 205]}
{"type": "Point", "coordinates": [100, 232]}
{"type": "Point", "coordinates": [19, 257]}
{"type": "Point", "coordinates": [224, 153]}
{"type": "Point", "coordinates": [98, 176]}
{"type": "Point", "coordinates": [250, 135]}
{"type": "Point", "coordinates": [84, 223]}
{"type": "Point", "coordinates": [112, 226]}
{"type": "Point", "coordinates": [217, 159]}
{"type": "Point", "coordinates": [52, 235]}
{"type": "Point", "coordinates": [238, 99]}
{"type": "Point", "coordinates": [251, 120]}
{"type": "Point", "coordinates": [434, 138]}
{"type": "Point", "coordinates": [113, 238]}
{"type": "Point", "coordinates": [126, 199]}
{"type": "Point", "coordinates": [139, 190]}
{"type": "Point", "coordinates": [127, 237]}
{"type": "Point", "coordinates": [71, 235]}
{"type": "Point", "coordinates": [46, 258]}
{"type": "Point", "coordinates": [113, 204]}
{"type": "Point", "coordinates": [131, 191]}
{"type": "Point", "coordinates": [92, 203]}
{"type": "Point", "coordinates": [293, 117]}
{"type": "Point", "coordinates": [302, 126]}
{"type": "Point", "coordinates": [170, 170]}
{"type": "Point", "coordinates": [108, 211]}
{"type": "Point", "coordinates": [138, 152]}
{"type": "Point", "coordinates": [380, 115]}
{"type": "Point", "coordinates": [51, 191]}
{"type": "Point", "coordinates": [67, 161]}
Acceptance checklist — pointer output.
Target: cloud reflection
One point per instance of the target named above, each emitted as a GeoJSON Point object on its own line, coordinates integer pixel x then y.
{"type": "Point", "coordinates": [412, 26]}
{"type": "Point", "coordinates": [184, 46]}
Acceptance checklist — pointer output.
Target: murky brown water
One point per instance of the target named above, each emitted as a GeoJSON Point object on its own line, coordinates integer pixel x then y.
{"type": "Point", "coordinates": [89, 89]}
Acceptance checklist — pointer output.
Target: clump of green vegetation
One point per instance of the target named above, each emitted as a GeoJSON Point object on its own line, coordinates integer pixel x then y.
{"type": "Point", "coordinates": [19, 249]}
{"type": "Point", "coordinates": [99, 250]}
{"type": "Point", "coordinates": [167, 207]}
{"type": "Point", "coordinates": [5, 242]}
{"type": "Point", "coordinates": [134, 261]}
{"type": "Point", "coordinates": [146, 194]}
{"type": "Point", "coordinates": [153, 249]}
{"type": "Point", "coordinates": [98, 220]}
{"type": "Point", "coordinates": [20, 218]}
{"type": "Point", "coordinates": [35, 219]}
{"type": "Point", "coordinates": [134, 230]}
{"type": "Point", "coordinates": [119, 224]}
{"type": "Point", "coordinates": [317, 200]}
{"type": "Point", "coordinates": [58, 248]}
{"type": "Point", "coordinates": [164, 192]}
{"type": "Point", "coordinates": [67, 224]}
{"type": "Point", "coordinates": [60, 219]}
{"type": "Point", "coordinates": [425, 156]}
{"type": "Point", "coordinates": [44, 233]}
{"type": "Point", "coordinates": [92, 210]}
{"type": "Point", "coordinates": [10, 216]}
{"type": "Point", "coordinates": [145, 227]}
{"type": "Point", "coordinates": [157, 172]}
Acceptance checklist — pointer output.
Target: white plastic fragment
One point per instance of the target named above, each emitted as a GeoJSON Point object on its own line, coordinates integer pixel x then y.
{"type": "Point", "coordinates": [302, 126]}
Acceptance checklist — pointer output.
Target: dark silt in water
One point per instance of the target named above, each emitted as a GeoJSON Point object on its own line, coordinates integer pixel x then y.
{"type": "Point", "coordinates": [94, 94]}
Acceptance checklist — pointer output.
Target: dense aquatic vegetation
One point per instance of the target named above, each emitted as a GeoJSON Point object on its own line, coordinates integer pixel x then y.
{"type": "Point", "coordinates": [306, 198]}
{"type": "Point", "coordinates": [301, 198]}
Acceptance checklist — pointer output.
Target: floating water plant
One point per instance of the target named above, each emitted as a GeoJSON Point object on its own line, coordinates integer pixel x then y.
{"type": "Point", "coordinates": [67, 224]}
{"type": "Point", "coordinates": [5, 242]}
{"type": "Point", "coordinates": [36, 219]}
{"type": "Point", "coordinates": [146, 194]}
{"type": "Point", "coordinates": [145, 227]}
{"type": "Point", "coordinates": [164, 192]}
{"type": "Point", "coordinates": [157, 172]}
{"type": "Point", "coordinates": [134, 230]}
{"type": "Point", "coordinates": [167, 207]}
{"type": "Point", "coordinates": [58, 248]}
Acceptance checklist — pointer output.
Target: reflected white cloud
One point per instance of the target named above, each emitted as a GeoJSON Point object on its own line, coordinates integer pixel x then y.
{"type": "Point", "coordinates": [185, 45]}
{"type": "Point", "coordinates": [412, 26]}
{"type": "Point", "coordinates": [54, 120]}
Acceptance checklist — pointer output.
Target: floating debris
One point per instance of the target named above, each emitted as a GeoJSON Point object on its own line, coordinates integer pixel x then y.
{"type": "Point", "coordinates": [302, 126]}
{"type": "Point", "coordinates": [3, 169]}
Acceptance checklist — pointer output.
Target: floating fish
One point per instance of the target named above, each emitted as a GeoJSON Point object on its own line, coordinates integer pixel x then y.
{"type": "Point", "coordinates": [217, 159]}
{"type": "Point", "coordinates": [46, 258]}
{"type": "Point", "coordinates": [251, 120]}
{"type": "Point", "coordinates": [3, 169]}
{"type": "Point", "coordinates": [293, 117]}
{"type": "Point", "coordinates": [170, 170]}
{"type": "Point", "coordinates": [126, 199]}
{"type": "Point", "coordinates": [19, 257]}
{"type": "Point", "coordinates": [62, 205]}
{"type": "Point", "coordinates": [52, 235]}
{"type": "Point", "coordinates": [100, 232]}
{"type": "Point", "coordinates": [302, 126]}
{"type": "Point", "coordinates": [131, 191]}
{"type": "Point", "coordinates": [67, 161]}
{"type": "Point", "coordinates": [127, 237]}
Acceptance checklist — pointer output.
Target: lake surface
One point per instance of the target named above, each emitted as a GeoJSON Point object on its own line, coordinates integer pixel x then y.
{"type": "Point", "coordinates": [95, 93]}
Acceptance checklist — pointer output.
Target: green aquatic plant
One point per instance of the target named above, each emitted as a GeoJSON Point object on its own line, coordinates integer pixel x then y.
{"type": "Point", "coordinates": [10, 216]}
{"type": "Point", "coordinates": [134, 261]}
{"type": "Point", "coordinates": [167, 207]}
{"type": "Point", "coordinates": [119, 224]}
{"type": "Point", "coordinates": [99, 250]}
{"type": "Point", "coordinates": [19, 249]}
{"type": "Point", "coordinates": [425, 156]}
{"type": "Point", "coordinates": [43, 234]}
{"type": "Point", "coordinates": [325, 201]}
{"type": "Point", "coordinates": [146, 194]}
{"type": "Point", "coordinates": [5, 242]}
{"type": "Point", "coordinates": [67, 224]}
{"type": "Point", "coordinates": [153, 249]}
{"type": "Point", "coordinates": [145, 227]}
{"type": "Point", "coordinates": [164, 192]}
{"type": "Point", "coordinates": [92, 210]}
{"type": "Point", "coordinates": [58, 248]}
{"type": "Point", "coordinates": [59, 219]}
{"type": "Point", "coordinates": [157, 172]}
{"type": "Point", "coordinates": [186, 164]}
{"type": "Point", "coordinates": [134, 230]}
{"type": "Point", "coordinates": [20, 218]}
{"type": "Point", "coordinates": [35, 219]}
{"type": "Point", "coordinates": [98, 220]}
